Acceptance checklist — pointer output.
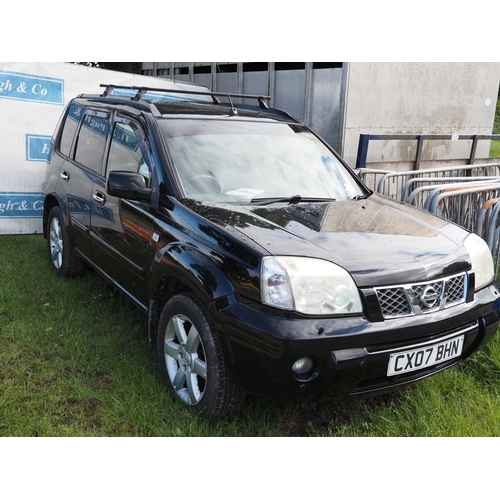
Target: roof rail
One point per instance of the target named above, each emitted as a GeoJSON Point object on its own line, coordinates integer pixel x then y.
{"type": "Point", "coordinates": [141, 91]}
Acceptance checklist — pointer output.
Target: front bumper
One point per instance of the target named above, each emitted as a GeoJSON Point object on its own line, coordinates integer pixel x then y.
{"type": "Point", "coordinates": [351, 354]}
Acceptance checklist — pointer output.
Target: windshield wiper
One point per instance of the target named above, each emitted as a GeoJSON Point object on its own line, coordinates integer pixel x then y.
{"type": "Point", "coordinates": [289, 199]}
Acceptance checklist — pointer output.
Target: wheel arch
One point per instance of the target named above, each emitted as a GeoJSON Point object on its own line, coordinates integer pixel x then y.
{"type": "Point", "coordinates": [49, 203]}
{"type": "Point", "coordinates": [182, 268]}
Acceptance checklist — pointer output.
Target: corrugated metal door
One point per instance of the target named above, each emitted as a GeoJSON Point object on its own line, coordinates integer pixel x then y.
{"type": "Point", "coordinates": [311, 92]}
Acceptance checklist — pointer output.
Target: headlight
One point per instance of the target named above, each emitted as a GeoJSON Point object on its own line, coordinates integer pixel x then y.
{"type": "Point", "coordinates": [481, 260]}
{"type": "Point", "coordinates": [309, 286]}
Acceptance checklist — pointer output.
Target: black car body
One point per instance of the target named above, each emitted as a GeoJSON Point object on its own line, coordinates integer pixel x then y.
{"type": "Point", "coordinates": [263, 262]}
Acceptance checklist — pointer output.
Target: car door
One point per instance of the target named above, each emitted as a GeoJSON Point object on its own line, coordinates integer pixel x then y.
{"type": "Point", "coordinates": [84, 153]}
{"type": "Point", "coordinates": [122, 229]}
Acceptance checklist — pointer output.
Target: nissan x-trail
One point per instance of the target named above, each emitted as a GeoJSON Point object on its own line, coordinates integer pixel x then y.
{"type": "Point", "coordinates": [263, 263]}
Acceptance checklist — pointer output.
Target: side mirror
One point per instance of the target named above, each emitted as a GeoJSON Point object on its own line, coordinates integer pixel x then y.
{"type": "Point", "coordinates": [128, 185]}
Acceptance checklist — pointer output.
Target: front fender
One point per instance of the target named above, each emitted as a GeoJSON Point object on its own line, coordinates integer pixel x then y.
{"type": "Point", "coordinates": [189, 265]}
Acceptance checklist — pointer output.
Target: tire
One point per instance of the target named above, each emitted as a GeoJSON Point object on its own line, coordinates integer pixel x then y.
{"type": "Point", "coordinates": [191, 361]}
{"type": "Point", "coordinates": [62, 256]}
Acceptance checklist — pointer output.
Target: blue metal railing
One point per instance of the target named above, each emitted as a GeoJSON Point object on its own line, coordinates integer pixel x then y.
{"type": "Point", "coordinates": [364, 141]}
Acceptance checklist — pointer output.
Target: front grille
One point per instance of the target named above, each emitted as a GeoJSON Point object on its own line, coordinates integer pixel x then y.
{"type": "Point", "coordinates": [393, 302]}
{"type": "Point", "coordinates": [421, 298]}
{"type": "Point", "coordinates": [456, 290]}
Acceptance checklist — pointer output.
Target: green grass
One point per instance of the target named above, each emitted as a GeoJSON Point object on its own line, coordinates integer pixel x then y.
{"type": "Point", "coordinates": [495, 149]}
{"type": "Point", "coordinates": [75, 361]}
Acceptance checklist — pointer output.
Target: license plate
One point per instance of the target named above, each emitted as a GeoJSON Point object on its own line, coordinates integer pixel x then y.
{"type": "Point", "coordinates": [425, 356]}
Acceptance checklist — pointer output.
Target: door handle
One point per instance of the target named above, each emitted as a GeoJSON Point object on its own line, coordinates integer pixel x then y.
{"type": "Point", "coordinates": [64, 176]}
{"type": "Point", "coordinates": [99, 198]}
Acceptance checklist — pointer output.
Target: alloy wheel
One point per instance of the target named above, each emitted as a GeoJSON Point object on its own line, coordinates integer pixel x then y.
{"type": "Point", "coordinates": [185, 359]}
{"type": "Point", "coordinates": [56, 243]}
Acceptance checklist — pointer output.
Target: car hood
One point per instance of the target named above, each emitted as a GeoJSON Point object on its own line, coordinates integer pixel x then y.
{"type": "Point", "coordinates": [380, 242]}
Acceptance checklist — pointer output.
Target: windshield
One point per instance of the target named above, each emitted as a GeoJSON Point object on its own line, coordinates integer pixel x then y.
{"type": "Point", "coordinates": [240, 161]}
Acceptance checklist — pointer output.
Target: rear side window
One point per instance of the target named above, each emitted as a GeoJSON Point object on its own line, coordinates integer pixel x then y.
{"type": "Point", "coordinates": [71, 124]}
{"type": "Point", "coordinates": [92, 140]}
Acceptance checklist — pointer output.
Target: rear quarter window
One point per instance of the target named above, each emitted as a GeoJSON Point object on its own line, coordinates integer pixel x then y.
{"type": "Point", "coordinates": [71, 124]}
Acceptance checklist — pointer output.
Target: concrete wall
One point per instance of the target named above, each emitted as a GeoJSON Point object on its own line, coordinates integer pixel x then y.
{"type": "Point", "coordinates": [419, 98]}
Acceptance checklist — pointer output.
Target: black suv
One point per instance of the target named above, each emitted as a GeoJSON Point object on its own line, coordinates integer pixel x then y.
{"type": "Point", "coordinates": [262, 261]}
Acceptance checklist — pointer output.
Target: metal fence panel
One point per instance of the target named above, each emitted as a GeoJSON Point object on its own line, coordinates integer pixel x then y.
{"type": "Point", "coordinates": [392, 184]}
{"type": "Point", "coordinates": [420, 197]}
{"type": "Point", "coordinates": [461, 205]}
{"type": "Point", "coordinates": [371, 176]}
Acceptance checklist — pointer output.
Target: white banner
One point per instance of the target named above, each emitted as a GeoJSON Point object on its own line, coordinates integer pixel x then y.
{"type": "Point", "coordinates": [32, 99]}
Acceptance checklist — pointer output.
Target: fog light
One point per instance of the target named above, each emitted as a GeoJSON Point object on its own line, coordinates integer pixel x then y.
{"type": "Point", "coordinates": [303, 368]}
